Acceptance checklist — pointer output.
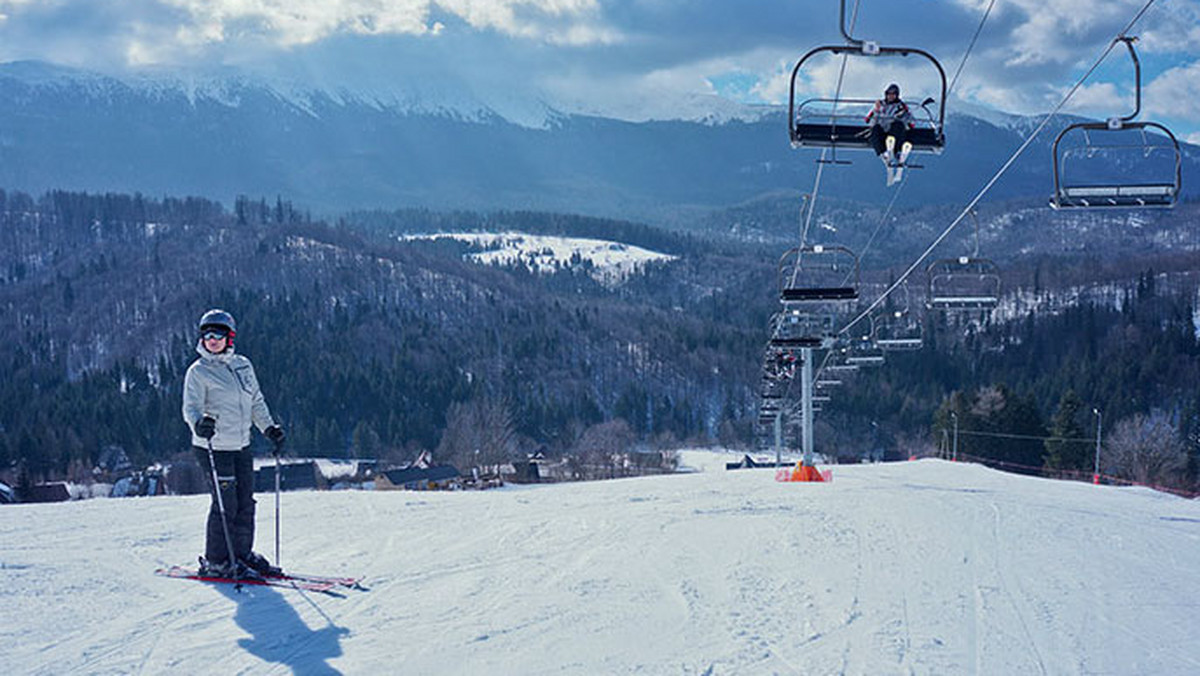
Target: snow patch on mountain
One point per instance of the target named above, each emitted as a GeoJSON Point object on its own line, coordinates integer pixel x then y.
{"type": "Point", "coordinates": [608, 262]}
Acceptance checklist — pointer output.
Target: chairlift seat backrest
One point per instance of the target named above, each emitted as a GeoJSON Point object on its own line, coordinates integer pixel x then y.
{"type": "Point", "coordinates": [819, 294]}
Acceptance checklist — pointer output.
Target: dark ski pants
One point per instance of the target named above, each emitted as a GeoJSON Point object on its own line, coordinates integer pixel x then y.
{"type": "Point", "coordinates": [235, 472]}
{"type": "Point", "coordinates": [878, 134]}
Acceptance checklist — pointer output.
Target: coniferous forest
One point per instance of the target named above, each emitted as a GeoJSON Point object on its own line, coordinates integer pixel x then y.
{"type": "Point", "coordinates": [373, 346]}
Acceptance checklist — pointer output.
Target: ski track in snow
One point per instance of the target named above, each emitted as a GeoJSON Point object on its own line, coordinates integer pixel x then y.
{"type": "Point", "coordinates": [910, 568]}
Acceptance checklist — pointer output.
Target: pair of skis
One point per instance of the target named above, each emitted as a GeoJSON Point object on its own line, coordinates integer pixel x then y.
{"type": "Point", "coordinates": [314, 583]}
{"type": "Point", "coordinates": [895, 168]}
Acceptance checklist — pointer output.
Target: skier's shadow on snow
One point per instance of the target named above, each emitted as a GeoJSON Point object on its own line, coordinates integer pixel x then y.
{"type": "Point", "coordinates": [278, 634]}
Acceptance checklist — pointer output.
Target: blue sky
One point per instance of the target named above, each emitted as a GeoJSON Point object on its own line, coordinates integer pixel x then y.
{"type": "Point", "coordinates": [634, 57]}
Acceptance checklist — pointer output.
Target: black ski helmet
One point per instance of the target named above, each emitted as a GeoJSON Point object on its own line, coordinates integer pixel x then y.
{"type": "Point", "coordinates": [892, 88]}
{"type": "Point", "coordinates": [218, 319]}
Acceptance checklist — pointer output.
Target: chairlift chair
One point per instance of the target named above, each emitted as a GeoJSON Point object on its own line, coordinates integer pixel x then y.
{"type": "Point", "coordinates": [827, 123]}
{"type": "Point", "coordinates": [799, 328]}
{"type": "Point", "coordinates": [897, 328]}
{"type": "Point", "coordinates": [818, 274]}
{"type": "Point", "coordinates": [963, 284]}
{"type": "Point", "coordinates": [862, 352]}
{"type": "Point", "coordinates": [1112, 191]}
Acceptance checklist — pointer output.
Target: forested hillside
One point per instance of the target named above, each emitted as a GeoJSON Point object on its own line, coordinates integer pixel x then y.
{"type": "Point", "coordinates": [368, 345]}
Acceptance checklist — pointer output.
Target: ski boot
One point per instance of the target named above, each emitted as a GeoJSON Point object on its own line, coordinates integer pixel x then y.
{"type": "Point", "coordinates": [260, 565]}
{"type": "Point", "coordinates": [223, 569]}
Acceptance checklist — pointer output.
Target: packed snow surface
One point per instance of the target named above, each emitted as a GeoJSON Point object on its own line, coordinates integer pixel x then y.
{"type": "Point", "coordinates": [923, 567]}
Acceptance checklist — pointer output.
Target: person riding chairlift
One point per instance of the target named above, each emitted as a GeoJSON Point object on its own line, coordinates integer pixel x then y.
{"type": "Point", "coordinates": [889, 128]}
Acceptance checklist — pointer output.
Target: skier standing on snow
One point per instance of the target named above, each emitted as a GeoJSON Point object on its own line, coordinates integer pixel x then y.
{"type": "Point", "coordinates": [221, 400]}
{"type": "Point", "coordinates": [889, 128]}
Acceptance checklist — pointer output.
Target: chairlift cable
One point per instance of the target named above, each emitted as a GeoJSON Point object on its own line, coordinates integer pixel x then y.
{"type": "Point", "coordinates": [1033, 437]}
{"type": "Point", "coordinates": [996, 177]}
{"type": "Point", "coordinates": [837, 95]}
{"type": "Point", "coordinates": [887, 212]}
{"type": "Point", "coordinates": [971, 46]}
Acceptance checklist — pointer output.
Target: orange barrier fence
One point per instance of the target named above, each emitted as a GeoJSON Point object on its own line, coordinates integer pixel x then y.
{"type": "Point", "coordinates": [1072, 475]}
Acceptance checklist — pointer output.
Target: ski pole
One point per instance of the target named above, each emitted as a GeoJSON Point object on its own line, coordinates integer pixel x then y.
{"type": "Point", "coordinates": [277, 451]}
{"type": "Point", "coordinates": [212, 465]}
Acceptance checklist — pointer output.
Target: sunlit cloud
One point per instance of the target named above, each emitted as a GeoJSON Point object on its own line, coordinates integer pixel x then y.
{"type": "Point", "coordinates": [630, 57]}
{"type": "Point", "coordinates": [289, 23]}
{"type": "Point", "coordinates": [1175, 92]}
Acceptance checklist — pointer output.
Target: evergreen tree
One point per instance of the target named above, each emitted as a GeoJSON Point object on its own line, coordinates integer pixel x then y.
{"type": "Point", "coordinates": [1060, 452]}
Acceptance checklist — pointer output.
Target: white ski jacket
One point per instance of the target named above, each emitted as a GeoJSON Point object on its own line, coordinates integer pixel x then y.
{"type": "Point", "coordinates": [224, 387]}
{"type": "Point", "coordinates": [885, 113]}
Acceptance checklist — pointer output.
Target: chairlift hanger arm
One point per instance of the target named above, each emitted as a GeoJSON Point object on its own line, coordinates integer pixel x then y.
{"type": "Point", "coordinates": [1137, 77]}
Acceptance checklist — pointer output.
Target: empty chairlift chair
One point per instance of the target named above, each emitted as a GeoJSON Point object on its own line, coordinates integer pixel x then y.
{"type": "Point", "coordinates": [1117, 163]}
{"type": "Point", "coordinates": [818, 274]}
{"type": "Point", "coordinates": [798, 328]}
{"type": "Point", "coordinates": [897, 328]}
{"type": "Point", "coordinates": [963, 283]}
{"type": "Point", "coordinates": [864, 352]}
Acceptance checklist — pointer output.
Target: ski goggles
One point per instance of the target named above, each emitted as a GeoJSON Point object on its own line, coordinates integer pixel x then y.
{"type": "Point", "coordinates": [212, 334]}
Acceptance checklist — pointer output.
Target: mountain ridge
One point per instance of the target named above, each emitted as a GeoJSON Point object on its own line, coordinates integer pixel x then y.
{"type": "Point", "coordinates": [337, 149]}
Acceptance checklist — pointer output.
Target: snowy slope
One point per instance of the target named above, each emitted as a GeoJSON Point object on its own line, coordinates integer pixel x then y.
{"type": "Point", "coordinates": [923, 567]}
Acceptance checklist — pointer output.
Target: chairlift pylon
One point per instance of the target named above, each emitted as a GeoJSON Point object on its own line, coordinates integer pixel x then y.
{"type": "Point", "coordinates": [1076, 193]}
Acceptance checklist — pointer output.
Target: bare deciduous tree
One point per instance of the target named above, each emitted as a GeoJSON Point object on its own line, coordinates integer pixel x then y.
{"type": "Point", "coordinates": [479, 433]}
{"type": "Point", "coordinates": [1146, 449]}
{"type": "Point", "coordinates": [600, 446]}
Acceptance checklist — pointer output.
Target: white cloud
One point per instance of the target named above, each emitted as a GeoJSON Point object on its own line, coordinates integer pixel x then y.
{"type": "Point", "coordinates": [1101, 100]}
{"type": "Point", "coordinates": [299, 22]}
{"type": "Point", "coordinates": [1175, 92]}
{"type": "Point", "coordinates": [1172, 27]}
{"type": "Point", "coordinates": [1052, 31]}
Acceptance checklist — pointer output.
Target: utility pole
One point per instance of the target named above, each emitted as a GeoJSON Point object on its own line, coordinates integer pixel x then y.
{"type": "Point", "coordinates": [954, 457]}
{"type": "Point", "coordinates": [1096, 471]}
{"type": "Point", "coordinates": [778, 436]}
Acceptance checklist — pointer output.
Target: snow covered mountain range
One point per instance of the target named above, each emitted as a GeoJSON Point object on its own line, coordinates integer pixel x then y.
{"type": "Point", "coordinates": [334, 146]}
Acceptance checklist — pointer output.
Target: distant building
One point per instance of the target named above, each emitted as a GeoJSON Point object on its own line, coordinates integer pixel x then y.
{"type": "Point", "coordinates": [50, 492]}
{"type": "Point", "coordinates": [747, 462]}
{"type": "Point", "coordinates": [293, 476]}
{"type": "Point", "coordinates": [525, 473]}
{"type": "Point", "coordinates": [414, 478]}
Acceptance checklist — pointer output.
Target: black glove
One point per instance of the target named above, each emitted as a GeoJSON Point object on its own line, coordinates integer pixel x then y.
{"type": "Point", "coordinates": [206, 427]}
{"type": "Point", "coordinates": [276, 435]}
